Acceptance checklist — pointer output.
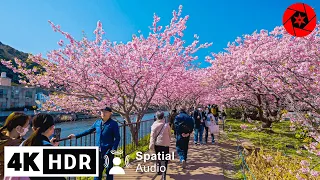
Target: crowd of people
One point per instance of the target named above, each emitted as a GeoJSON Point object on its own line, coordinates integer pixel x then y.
{"type": "Point", "coordinates": [183, 123]}
{"type": "Point", "coordinates": [17, 125]}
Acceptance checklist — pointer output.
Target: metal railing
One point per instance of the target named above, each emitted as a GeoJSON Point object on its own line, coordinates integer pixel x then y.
{"type": "Point", "coordinates": [126, 144]}
{"type": "Point", "coordinates": [244, 166]}
{"type": "Point", "coordinates": [125, 133]}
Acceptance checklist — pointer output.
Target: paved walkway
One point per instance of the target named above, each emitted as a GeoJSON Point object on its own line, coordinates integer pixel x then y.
{"type": "Point", "coordinates": [204, 162]}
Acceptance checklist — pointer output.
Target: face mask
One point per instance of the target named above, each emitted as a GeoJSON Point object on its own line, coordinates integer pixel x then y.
{"type": "Point", "coordinates": [24, 132]}
{"type": "Point", "coordinates": [207, 111]}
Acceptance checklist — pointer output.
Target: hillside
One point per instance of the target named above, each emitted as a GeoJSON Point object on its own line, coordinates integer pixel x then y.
{"type": "Point", "coordinates": [9, 53]}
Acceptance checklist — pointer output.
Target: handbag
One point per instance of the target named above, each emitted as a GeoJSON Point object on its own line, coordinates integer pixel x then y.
{"type": "Point", "coordinates": [214, 129]}
{"type": "Point", "coordinates": [155, 139]}
{"type": "Point", "coordinates": [207, 123]}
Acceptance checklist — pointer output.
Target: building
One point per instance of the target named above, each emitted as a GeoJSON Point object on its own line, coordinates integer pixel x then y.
{"type": "Point", "coordinates": [15, 96]}
{"type": "Point", "coordinates": [41, 97]}
{"type": "Point", "coordinates": [5, 81]}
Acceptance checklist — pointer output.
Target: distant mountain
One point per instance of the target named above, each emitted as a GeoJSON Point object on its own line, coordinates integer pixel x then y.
{"type": "Point", "coordinates": [9, 53]}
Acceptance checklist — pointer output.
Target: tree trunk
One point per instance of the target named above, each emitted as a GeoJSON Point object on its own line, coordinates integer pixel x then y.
{"type": "Point", "coordinates": [266, 123]}
{"type": "Point", "coordinates": [243, 116]}
{"type": "Point", "coordinates": [134, 129]}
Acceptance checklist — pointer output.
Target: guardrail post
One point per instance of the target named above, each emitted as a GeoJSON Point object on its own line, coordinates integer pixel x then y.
{"type": "Point", "coordinates": [124, 140]}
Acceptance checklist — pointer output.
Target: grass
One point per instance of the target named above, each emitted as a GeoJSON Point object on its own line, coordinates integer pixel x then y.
{"type": "Point", "coordinates": [274, 141]}
{"type": "Point", "coordinates": [143, 146]}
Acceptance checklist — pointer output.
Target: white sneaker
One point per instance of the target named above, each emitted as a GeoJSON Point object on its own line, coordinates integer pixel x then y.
{"type": "Point", "coordinates": [184, 164]}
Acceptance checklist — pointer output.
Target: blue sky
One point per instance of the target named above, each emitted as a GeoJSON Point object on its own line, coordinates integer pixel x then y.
{"type": "Point", "coordinates": [24, 24]}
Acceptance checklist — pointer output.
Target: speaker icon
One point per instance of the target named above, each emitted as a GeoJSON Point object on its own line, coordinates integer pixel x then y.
{"type": "Point", "coordinates": [116, 169]}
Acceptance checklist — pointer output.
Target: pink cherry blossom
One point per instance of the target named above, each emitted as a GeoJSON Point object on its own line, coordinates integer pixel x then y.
{"type": "Point", "coordinates": [243, 126]}
{"type": "Point", "coordinates": [314, 173]}
{"type": "Point", "coordinates": [304, 163]}
{"type": "Point", "coordinates": [87, 75]}
{"type": "Point", "coordinates": [299, 177]}
{"type": "Point", "coordinates": [304, 170]}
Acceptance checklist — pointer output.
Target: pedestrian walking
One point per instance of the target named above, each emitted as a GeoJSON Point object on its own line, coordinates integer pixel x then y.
{"type": "Point", "coordinates": [160, 140]}
{"type": "Point", "coordinates": [223, 117]}
{"type": "Point", "coordinates": [208, 122]}
{"type": "Point", "coordinates": [107, 138]}
{"type": "Point", "coordinates": [183, 126]}
{"type": "Point", "coordinates": [172, 117]}
{"type": "Point", "coordinates": [11, 134]}
{"type": "Point", "coordinates": [215, 113]}
{"type": "Point", "coordinates": [198, 128]}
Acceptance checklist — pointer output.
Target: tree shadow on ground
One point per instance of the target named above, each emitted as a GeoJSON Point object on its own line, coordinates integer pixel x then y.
{"type": "Point", "coordinates": [203, 162]}
{"type": "Point", "coordinates": [229, 154]}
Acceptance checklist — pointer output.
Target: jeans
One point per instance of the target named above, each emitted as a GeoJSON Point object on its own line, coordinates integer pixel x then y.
{"type": "Point", "coordinates": [101, 167]}
{"type": "Point", "coordinates": [163, 150]}
{"type": "Point", "coordinates": [198, 133]}
{"type": "Point", "coordinates": [207, 134]}
{"type": "Point", "coordinates": [182, 144]}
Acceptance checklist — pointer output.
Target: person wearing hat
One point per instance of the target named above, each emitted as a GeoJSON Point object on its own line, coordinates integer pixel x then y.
{"type": "Point", "coordinates": [107, 138]}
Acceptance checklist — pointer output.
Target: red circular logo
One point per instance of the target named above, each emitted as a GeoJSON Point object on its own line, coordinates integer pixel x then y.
{"type": "Point", "coordinates": [299, 19]}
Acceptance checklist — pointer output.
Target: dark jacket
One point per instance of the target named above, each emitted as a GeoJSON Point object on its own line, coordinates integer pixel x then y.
{"type": "Point", "coordinates": [183, 123]}
{"type": "Point", "coordinates": [204, 118]}
{"type": "Point", "coordinates": [197, 120]}
{"type": "Point", "coordinates": [44, 141]}
{"type": "Point", "coordinates": [107, 134]}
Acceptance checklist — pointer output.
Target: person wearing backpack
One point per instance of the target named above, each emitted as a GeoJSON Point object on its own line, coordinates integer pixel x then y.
{"type": "Point", "coordinates": [14, 128]}
{"type": "Point", "coordinates": [160, 139]}
{"type": "Point", "coordinates": [183, 128]}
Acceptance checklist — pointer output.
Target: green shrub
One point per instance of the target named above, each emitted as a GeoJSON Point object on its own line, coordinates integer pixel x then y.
{"type": "Point", "coordinates": [234, 113]}
{"type": "Point", "coordinates": [276, 160]}
{"type": "Point", "coordinates": [274, 165]}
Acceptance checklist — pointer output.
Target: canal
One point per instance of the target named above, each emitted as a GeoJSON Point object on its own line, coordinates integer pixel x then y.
{"type": "Point", "coordinates": [74, 127]}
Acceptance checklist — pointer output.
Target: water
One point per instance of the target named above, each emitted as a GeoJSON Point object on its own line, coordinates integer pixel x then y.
{"type": "Point", "coordinates": [75, 127]}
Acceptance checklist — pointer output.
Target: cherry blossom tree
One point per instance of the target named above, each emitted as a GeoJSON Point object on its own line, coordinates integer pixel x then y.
{"type": "Point", "coordinates": [86, 75]}
{"type": "Point", "coordinates": [170, 94]}
{"type": "Point", "coordinates": [186, 87]}
{"type": "Point", "coordinates": [269, 72]}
